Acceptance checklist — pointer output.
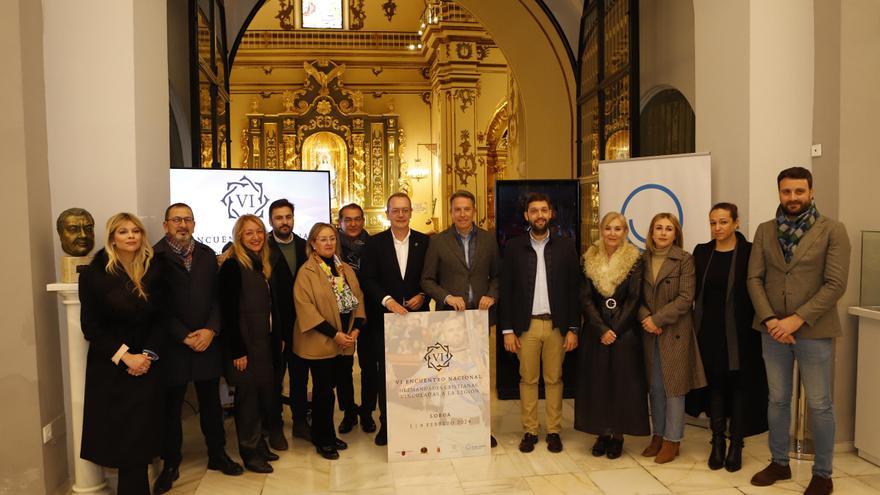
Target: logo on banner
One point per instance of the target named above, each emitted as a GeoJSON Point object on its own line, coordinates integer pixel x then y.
{"type": "Point", "coordinates": [645, 187]}
{"type": "Point", "coordinates": [438, 356]}
{"type": "Point", "coordinates": [244, 196]}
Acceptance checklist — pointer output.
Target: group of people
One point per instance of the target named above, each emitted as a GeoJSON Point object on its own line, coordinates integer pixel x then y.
{"type": "Point", "coordinates": [663, 327]}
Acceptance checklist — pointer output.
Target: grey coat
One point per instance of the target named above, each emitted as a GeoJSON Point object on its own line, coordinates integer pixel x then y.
{"type": "Point", "coordinates": [669, 301]}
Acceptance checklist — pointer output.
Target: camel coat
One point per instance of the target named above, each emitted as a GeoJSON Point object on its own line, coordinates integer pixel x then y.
{"type": "Point", "coordinates": [315, 303]}
{"type": "Point", "coordinates": [669, 301]}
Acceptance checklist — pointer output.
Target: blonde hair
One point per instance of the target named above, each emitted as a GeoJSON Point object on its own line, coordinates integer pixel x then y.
{"type": "Point", "coordinates": [679, 237]}
{"type": "Point", "coordinates": [240, 253]}
{"type": "Point", "coordinates": [610, 217]}
{"type": "Point", "coordinates": [141, 263]}
{"type": "Point", "coordinates": [313, 236]}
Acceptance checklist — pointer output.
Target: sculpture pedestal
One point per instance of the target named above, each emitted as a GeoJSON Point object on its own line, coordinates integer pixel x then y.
{"type": "Point", "coordinates": [87, 476]}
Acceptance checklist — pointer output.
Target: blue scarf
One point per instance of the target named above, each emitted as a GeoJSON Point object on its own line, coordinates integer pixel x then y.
{"type": "Point", "coordinates": [789, 231]}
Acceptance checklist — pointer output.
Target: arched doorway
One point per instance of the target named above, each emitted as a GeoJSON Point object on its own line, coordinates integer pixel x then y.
{"type": "Point", "coordinates": [667, 124]}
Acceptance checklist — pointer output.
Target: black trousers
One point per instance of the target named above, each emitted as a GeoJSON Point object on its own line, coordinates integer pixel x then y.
{"type": "Point", "coordinates": [298, 371]}
{"type": "Point", "coordinates": [382, 395]}
{"type": "Point", "coordinates": [726, 396]}
{"type": "Point", "coordinates": [323, 380]}
{"type": "Point", "coordinates": [343, 367]}
{"type": "Point", "coordinates": [133, 481]}
{"type": "Point", "coordinates": [210, 420]}
{"type": "Point", "coordinates": [368, 354]}
{"type": "Point", "coordinates": [253, 403]}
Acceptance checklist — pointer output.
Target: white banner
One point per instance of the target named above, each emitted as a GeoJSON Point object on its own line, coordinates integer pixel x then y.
{"type": "Point", "coordinates": [219, 196]}
{"type": "Point", "coordinates": [642, 187]}
{"type": "Point", "coordinates": [437, 379]}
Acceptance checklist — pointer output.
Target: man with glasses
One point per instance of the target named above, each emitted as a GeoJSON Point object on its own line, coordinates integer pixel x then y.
{"type": "Point", "coordinates": [190, 353]}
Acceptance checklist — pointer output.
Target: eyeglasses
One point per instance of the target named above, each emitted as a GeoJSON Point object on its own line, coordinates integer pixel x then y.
{"type": "Point", "coordinates": [180, 219]}
{"type": "Point", "coordinates": [398, 211]}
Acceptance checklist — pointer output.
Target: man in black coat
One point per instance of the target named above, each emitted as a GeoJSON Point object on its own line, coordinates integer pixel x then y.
{"type": "Point", "coordinates": [391, 272]}
{"type": "Point", "coordinates": [190, 353]}
{"type": "Point", "coordinates": [539, 316]}
{"type": "Point", "coordinates": [287, 252]}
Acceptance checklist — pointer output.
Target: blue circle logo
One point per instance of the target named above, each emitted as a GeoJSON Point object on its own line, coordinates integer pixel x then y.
{"type": "Point", "coordinates": [644, 187]}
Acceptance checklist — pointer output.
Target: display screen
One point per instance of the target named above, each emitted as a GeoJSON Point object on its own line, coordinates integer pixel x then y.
{"type": "Point", "coordinates": [326, 14]}
{"type": "Point", "coordinates": [219, 196]}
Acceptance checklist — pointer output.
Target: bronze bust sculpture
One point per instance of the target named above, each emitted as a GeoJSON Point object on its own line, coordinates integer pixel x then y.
{"type": "Point", "coordinates": [76, 229]}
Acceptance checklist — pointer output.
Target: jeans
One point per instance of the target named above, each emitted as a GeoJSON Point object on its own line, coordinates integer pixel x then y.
{"type": "Point", "coordinates": [667, 413]}
{"type": "Point", "coordinates": [814, 358]}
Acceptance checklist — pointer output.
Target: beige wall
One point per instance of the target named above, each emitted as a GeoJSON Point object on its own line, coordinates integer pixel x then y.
{"type": "Point", "coordinates": [666, 47]}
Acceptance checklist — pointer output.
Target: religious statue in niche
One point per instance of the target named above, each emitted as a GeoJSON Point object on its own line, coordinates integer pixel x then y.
{"type": "Point", "coordinates": [76, 231]}
{"type": "Point", "coordinates": [390, 9]}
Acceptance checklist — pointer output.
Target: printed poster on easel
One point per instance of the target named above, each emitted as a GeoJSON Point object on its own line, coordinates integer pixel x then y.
{"type": "Point", "coordinates": [437, 382]}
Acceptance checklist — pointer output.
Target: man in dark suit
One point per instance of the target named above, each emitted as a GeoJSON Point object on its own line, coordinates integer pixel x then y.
{"type": "Point", "coordinates": [391, 274]}
{"type": "Point", "coordinates": [190, 353]}
{"type": "Point", "coordinates": [539, 316]}
{"type": "Point", "coordinates": [462, 265]}
{"type": "Point", "coordinates": [287, 252]}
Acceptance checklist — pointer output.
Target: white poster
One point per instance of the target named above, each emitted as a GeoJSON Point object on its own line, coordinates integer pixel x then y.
{"type": "Point", "coordinates": [437, 379]}
{"type": "Point", "coordinates": [642, 187]}
{"type": "Point", "coordinates": [219, 196]}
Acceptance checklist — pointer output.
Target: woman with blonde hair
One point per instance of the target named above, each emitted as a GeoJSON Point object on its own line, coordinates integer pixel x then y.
{"type": "Point", "coordinates": [672, 358]}
{"type": "Point", "coordinates": [121, 320]}
{"type": "Point", "coordinates": [612, 393]}
{"type": "Point", "coordinates": [329, 317]}
{"type": "Point", "coordinates": [245, 309]}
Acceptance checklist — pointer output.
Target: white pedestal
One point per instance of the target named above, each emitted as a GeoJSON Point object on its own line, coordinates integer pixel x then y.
{"type": "Point", "coordinates": [867, 439]}
{"type": "Point", "coordinates": [87, 477]}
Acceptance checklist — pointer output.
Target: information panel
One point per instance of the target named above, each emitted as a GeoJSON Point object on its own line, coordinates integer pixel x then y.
{"type": "Point", "coordinates": [437, 378]}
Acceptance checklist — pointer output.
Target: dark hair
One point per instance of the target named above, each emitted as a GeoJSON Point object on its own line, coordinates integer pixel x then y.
{"type": "Point", "coordinates": [462, 193]}
{"type": "Point", "coordinates": [397, 195]}
{"type": "Point", "coordinates": [536, 197]}
{"type": "Point", "coordinates": [350, 205]}
{"type": "Point", "coordinates": [280, 203]}
{"type": "Point", "coordinates": [730, 207]}
{"type": "Point", "coordinates": [177, 205]}
{"type": "Point", "coordinates": [795, 173]}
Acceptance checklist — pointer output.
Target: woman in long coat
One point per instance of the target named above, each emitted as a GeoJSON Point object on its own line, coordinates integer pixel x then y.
{"type": "Point", "coordinates": [611, 398]}
{"type": "Point", "coordinates": [121, 320]}
{"type": "Point", "coordinates": [730, 349]}
{"type": "Point", "coordinates": [245, 309]}
{"type": "Point", "coordinates": [672, 358]}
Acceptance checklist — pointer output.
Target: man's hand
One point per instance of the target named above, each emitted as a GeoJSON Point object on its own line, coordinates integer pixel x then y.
{"type": "Point", "coordinates": [414, 302]}
{"type": "Point", "coordinates": [240, 363]}
{"type": "Point", "coordinates": [783, 329]}
{"type": "Point", "coordinates": [608, 337]}
{"type": "Point", "coordinates": [190, 341]}
{"type": "Point", "coordinates": [511, 342]}
{"type": "Point", "coordinates": [456, 302]}
{"type": "Point", "coordinates": [202, 338]}
{"type": "Point", "coordinates": [571, 341]}
{"type": "Point", "coordinates": [486, 302]}
{"type": "Point", "coordinates": [395, 307]}
{"type": "Point", "coordinates": [138, 364]}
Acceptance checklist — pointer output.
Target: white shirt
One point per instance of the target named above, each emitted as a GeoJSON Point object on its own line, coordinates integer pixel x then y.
{"type": "Point", "coordinates": [401, 250]}
{"type": "Point", "coordinates": [541, 301]}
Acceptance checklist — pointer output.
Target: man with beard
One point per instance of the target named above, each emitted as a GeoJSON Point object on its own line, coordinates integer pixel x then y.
{"type": "Point", "coordinates": [190, 354]}
{"type": "Point", "coordinates": [287, 252]}
{"type": "Point", "coordinates": [538, 315]}
{"type": "Point", "coordinates": [798, 271]}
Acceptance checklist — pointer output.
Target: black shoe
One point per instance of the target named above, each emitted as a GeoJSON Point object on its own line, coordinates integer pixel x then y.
{"type": "Point", "coordinates": [301, 430]}
{"type": "Point", "coordinates": [264, 452]}
{"type": "Point", "coordinates": [277, 440]}
{"type": "Point", "coordinates": [367, 423]}
{"type": "Point", "coordinates": [166, 478]}
{"type": "Point", "coordinates": [382, 437]}
{"type": "Point", "coordinates": [492, 441]}
{"type": "Point", "coordinates": [716, 457]}
{"type": "Point", "coordinates": [734, 461]}
{"type": "Point", "coordinates": [225, 465]}
{"type": "Point", "coordinates": [340, 445]}
{"type": "Point", "coordinates": [349, 421]}
{"type": "Point", "coordinates": [527, 444]}
{"type": "Point", "coordinates": [614, 447]}
{"type": "Point", "coordinates": [601, 445]}
{"type": "Point", "coordinates": [554, 443]}
{"type": "Point", "coordinates": [328, 452]}
{"type": "Point", "coordinates": [258, 464]}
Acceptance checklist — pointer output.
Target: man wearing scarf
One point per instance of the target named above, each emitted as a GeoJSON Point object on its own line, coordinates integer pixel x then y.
{"type": "Point", "coordinates": [798, 271]}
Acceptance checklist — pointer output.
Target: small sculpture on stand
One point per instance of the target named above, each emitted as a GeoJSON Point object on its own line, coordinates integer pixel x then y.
{"type": "Point", "coordinates": [76, 230]}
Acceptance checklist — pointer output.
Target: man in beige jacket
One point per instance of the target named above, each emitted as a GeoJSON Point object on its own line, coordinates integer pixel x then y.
{"type": "Point", "coordinates": [798, 270]}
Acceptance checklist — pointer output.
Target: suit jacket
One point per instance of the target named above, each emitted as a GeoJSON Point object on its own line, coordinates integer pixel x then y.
{"type": "Point", "coordinates": [520, 263]}
{"type": "Point", "coordinates": [316, 303]}
{"type": "Point", "coordinates": [193, 303]}
{"type": "Point", "coordinates": [446, 272]}
{"type": "Point", "coordinates": [669, 300]}
{"type": "Point", "coordinates": [809, 286]}
{"type": "Point", "coordinates": [380, 276]}
{"type": "Point", "coordinates": [281, 283]}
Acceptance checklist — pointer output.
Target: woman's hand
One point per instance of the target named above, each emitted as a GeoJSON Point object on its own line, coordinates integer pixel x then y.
{"type": "Point", "coordinates": [138, 364]}
{"type": "Point", "coordinates": [650, 327]}
{"type": "Point", "coordinates": [240, 363]}
{"type": "Point", "coordinates": [608, 337]}
{"type": "Point", "coordinates": [355, 333]}
{"type": "Point", "coordinates": [342, 340]}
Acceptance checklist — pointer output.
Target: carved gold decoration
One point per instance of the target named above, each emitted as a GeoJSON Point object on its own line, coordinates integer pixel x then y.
{"type": "Point", "coordinates": [466, 161]}
{"type": "Point", "coordinates": [245, 149]}
{"type": "Point", "coordinates": [390, 9]}
{"type": "Point", "coordinates": [377, 70]}
{"type": "Point", "coordinates": [255, 105]}
{"type": "Point", "coordinates": [377, 165]}
{"type": "Point", "coordinates": [426, 97]}
{"type": "Point", "coordinates": [322, 78]}
{"type": "Point", "coordinates": [204, 100]}
{"type": "Point", "coordinates": [256, 148]}
{"type": "Point", "coordinates": [206, 151]}
{"type": "Point", "coordinates": [291, 159]}
{"type": "Point", "coordinates": [271, 131]}
{"type": "Point", "coordinates": [324, 122]}
{"type": "Point", "coordinates": [403, 182]}
{"type": "Point", "coordinates": [323, 107]}
{"type": "Point", "coordinates": [221, 146]}
{"type": "Point", "coordinates": [464, 50]}
{"type": "Point", "coordinates": [285, 15]}
{"type": "Point", "coordinates": [358, 169]}
{"type": "Point", "coordinates": [465, 97]}
{"type": "Point", "coordinates": [356, 15]}
{"type": "Point", "coordinates": [482, 52]}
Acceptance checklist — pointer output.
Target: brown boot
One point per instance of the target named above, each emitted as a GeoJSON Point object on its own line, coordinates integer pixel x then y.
{"type": "Point", "coordinates": [819, 486]}
{"type": "Point", "coordinates": [771, 474]}
{"type": "Point", "coordinates": [654, 447]}
{"type": "Point", "coordinates": [668, 452]}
